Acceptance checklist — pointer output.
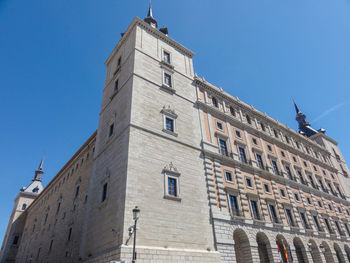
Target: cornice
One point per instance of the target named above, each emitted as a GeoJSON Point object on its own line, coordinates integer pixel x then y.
{"type": "Point", "coordinates": [220, 92]}
{"type": "Point", "coordinates": [154, 31]}
{"type": "Point", "coordinates": [264, 135]}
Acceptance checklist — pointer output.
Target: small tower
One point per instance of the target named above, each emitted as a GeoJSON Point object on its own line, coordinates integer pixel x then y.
{"type": "Point", "coordinates": [304, 126]}
{"type": "Point", "coordinates": [16, 223]}
{"type": "Point", "coordinates": [149, 19]}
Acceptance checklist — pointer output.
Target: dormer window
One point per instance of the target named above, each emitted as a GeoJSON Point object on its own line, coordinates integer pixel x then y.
{"type": "Point", "coordinates": [24, 206]}
{"type": "Point", "coordinates": [35, 190]}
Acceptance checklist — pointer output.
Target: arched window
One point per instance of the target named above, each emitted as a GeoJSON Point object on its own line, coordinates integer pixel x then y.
{"type": "Point", "coordinates": [215, 102]}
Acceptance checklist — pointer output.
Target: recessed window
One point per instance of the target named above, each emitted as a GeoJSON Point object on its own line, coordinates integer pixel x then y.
{"type": "Point", "coordinates": [214, 101]}
{"type": "Point", "coordinates": [119, 61]}
{"type": "Point", "coordinates": [315, 168]}
{"type": "Point", "coordinates": [324, 173]}
{"type": "Point", "coordinates": [111, 130]}
{"type": "Point", "coordinates": [232, 111]}
{"type": "Point", "coordinates": [275, 133]}
{"type": "Point", "coordinates": [234, 205]}
{"type": "Point", "coordinates": [283, 154]}
{"type": "Point", "coordinates": [262, 126]}
{"type": "Point", "coordinates": [255, 141]}
{"type": "Point", "coordinates": [297, 144]}
{"type": "Point", "coordinates": [69, 234]}
{"type": "Point", "coordinates": [296, 196]}
{"type": "Point", "coordinates": [320, 204]}
{"type": "Point", "coordinates": [238, 134]}
{"type": "Point", "coordinates": [275, 167]}
{"type": "Point", "coordinates": [267, 188]}
{"type": "Point", "coordinates": [219, 125]}
{"type": "Point", "coordinates": [15, 240]}
{"type": "Point", "coordinates": [287, 139]}
{"type": "Point", "coordinates": [294, 159]}
{"type": "Point", "coordinates": [58, 208]}
{"type": "Point", "coordinates": [242, 154]}
{"type": "Point", "coordinates": [77, 191]}
{"type": "Point", "coordinates": [223, 147]}
{"type": "Point", "coordinates": [248, 182]}
{"type": "Point", "coordinates": [309, 200]}
{"type": "Point", "coordinates": [249, 121]}
{"type": "Point", "coordinates": [255, 209]}
{"type": "Point", "coordinates": [169, 124]}
{"type": "Point", "coordinates": [104, 192]}
{"type": "Point", "coordinates": [305, 164]}
{"type": "Point", "coordinates": [269, 148]}
{"type": "Point", "coordinates": [330, 207]}
{"type": "Point", "coordinates": [116, 85]}
{"type": "Point", "coordinates": [24, 206]}
{"type": "Point", "coordinates": [167, 79]}
{"type": "Point", "coordinates": [172, 186]}
{"type": "Point", "coordinates": [166, 57]}
{"type": "Point", "coordinates": [260, 161]}
{"type": "Point", "coordinates": [228, 176]}
{"type": "Point", "coordinates": [290, 216]}
{"type": "Point", "coordinates": [283, 192]}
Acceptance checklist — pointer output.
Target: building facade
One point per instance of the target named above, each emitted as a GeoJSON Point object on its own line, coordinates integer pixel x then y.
{"type": "Point", "coordinates": [216, 180]}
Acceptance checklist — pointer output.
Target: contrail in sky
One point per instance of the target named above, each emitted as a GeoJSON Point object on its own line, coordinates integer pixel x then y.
{"type": "Point", "coordinates": [330, 110]}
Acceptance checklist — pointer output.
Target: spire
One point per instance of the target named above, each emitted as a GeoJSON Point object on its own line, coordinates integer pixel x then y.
{"type": "Point", "coordinates": [296, 107]}
{"type": "Point", "coordinates": [39, 172]}
{"type": "Point", "coordinates": [150, 19]}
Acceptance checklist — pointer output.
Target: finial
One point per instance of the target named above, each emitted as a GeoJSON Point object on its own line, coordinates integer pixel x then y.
{"type": "Point", "coordinates": [296, 107]}
{"type": "Point", "coordinates": [39, 172]}
{"type": "Point", "coordinates": [150, 13]}
{"type": "Point", "coordinates": [150, 19]}
{"type": "Point", "coordinates": [41, 164]}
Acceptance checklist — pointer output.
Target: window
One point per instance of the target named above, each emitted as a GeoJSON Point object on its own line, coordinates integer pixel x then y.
{"type": "Point", "coordinates": [172, 187]}
{"type": "Point", "coordinates": [58, 208]}
{"type": "Point", "coordinates": [223, 147]}
{"type": "Point", "coordinates": [46, 216]}
{"type": "Point", "coordinates": [339, 210]}
{"type": "Point", "coordinates": [289, 216]}
{"type": "Point", "coordinates": [287, 139]}
{"type": "Point", "coordinates": [275, 133]}
{"type": "Point", "coordinates": [166, 57]}
{"type": "Point", "coordinates": [234, 205]}
{"type": "Point", "coordinates": [267, 188]}
{"type": "Point", "coordinates": [305, 164]}
{"type": "Point", "coordinates": [214, 101]}
{"type": "Point", "coordinates": [169, 124]}
{"type": "Point", "coordinates": [228, 176]}
{"type": "Point", "coordinates": [15, 240]}
{"type": "Point", "coordinates": [116, 86]}
{"type": "Point", "coordinates": [309, 200]}
{"type": "Point", "coordinates": [255, 210]}
{"type": "Point", "coordinates": [275, 167]}
{"type": "Point", "coordinates": [283, 193]}
{"type": "Point", "coordinates": [238, 134]}
{"type": "Point", "coordinates": [242, 154]}
{"type": "Point", "coordinates": [255, 141]}
{"type": "Point", "coordinates": [111, 130]}
{"type": "Point", "coordinates": [294, 159]}
{"type": "Point", "coordinates": [219, 125]}
{"type": "Point", "coordinates": [232, 111]}
{"type": "Point", "coordinates": [289, 173]}
{"type": "Point", "coordinates": [269, 148]}
{"type": "Point", "coordinates": [51, 244]}
{"type": "Point", "coordinates": [329, 228]}
{"type": "Point", "coordinates": [317, 223]}
{"type": "Point", "coordinates": [303, 219]}
{"type": "Point", "coordinates": [260, 161]}
{"type": "Point", "coordinates": [248, 182]}
{"type": "Point", "coordinates": [324, 173]}
{"type": "Point", "coordinates": [24, 206]}
{"type": "Point", "coordinates": [262, 126]}
{"type": "Point", "coordinates": [283, 154]}
{"type": "Point", "coordinates": [119, 61]}
{"type": "Point", "coordinates": [69, 234]}
{"type": "Point", "coordinates": [297, 144]}
{"type": "Point", "coordinates": [35, 190]}
{"type": "Point", "coordinates": [273, 213]}
{"type": "Point", "coordinates": [330, 207]}
{"type": "Point", "coordinates": [167, 79]}
{"type": "Point", "coordinates": [249, 121]}
{"type": "Point", "coordinates": [296, 196]}
{"type": "Point", "coordinates": [104, 192]}
{"type": "Point", "coordinates": [307, 150]}
{"type": "Point", "coordinates": [77, 191]}
{"type": "Point", "coordinates": [320, 204]}
{"type": "Point", "coordinates": [347, 228]}
{"type": "Point", "coordinates": [315, 168]}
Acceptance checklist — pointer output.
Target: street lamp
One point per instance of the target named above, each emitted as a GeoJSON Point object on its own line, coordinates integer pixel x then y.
{"type": "Point", "coordinates": [135, 213]}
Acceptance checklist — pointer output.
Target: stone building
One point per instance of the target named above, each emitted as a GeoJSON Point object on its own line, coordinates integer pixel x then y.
{"type": "Point", "coordinates": [216, 180]}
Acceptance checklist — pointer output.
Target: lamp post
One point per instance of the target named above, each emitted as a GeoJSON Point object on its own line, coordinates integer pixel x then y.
{"type": "Point", "coordinates": [135, 212]}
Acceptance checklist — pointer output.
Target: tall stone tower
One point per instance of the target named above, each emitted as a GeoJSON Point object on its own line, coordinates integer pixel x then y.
{"type": "Point", "coordinates": [16, 223]}
{"type": "Point", "coordinates": [148, 153]}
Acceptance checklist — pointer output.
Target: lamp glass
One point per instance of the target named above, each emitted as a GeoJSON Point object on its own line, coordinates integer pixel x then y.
{"type": "Point", "coordinates": [136, 212]}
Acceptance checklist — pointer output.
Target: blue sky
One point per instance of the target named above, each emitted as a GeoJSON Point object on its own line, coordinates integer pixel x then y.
{"type": "Point", "coordinates": [52, 70]}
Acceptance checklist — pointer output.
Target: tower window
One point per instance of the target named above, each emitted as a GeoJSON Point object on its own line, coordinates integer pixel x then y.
{"type": "Point", "coordinates": [111, 130]}
{"type": "Point", "coordinates": [166, 57]}
{"type": "Point", "coordinates": [104, 192]}
{"type": "Point", "coordinates": [24, 206]}
{"type": "Point", "coordinates": [15, 240]}
{"type": "Point", "coordinates": [167, 79]}
{"type": "Point", "coordinates": [215, 102]}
